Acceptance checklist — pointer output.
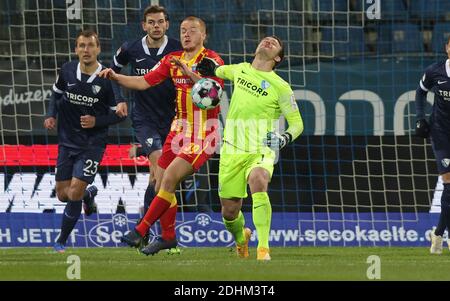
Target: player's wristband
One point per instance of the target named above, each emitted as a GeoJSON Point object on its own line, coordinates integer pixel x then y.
{"type": "Point", "coordinates": [288, 137]}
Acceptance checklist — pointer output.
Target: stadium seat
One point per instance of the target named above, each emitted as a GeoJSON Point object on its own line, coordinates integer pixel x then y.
{"type": "Point", "coordinates": [296, 34]}
{"type": "Point", "coordinates": [210, 9]}
{"type": "Point", "coordinates": [399, 37]}
{"type": "Point", "coordinates": [175, 6]}
{"type": "Point", "coordinates": [268, 4]}
{"type": "Point", "coordinates": [255, 5]}
{"type": "Point", "coordinates": [433, 10]}
{"type": "Point", "coordinates": [331, 10]}
{"type": "Point", "coordinates": [345, 41]}
{"type": "Point", "coordinates": [221, 33]}
{"type": "Point", "coordinates": [441, 32]}
{"type": "Point", "coordinates": [327, 6]}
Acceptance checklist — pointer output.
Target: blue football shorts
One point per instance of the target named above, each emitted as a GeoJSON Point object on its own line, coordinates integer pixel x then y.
{"type": "Point", "coordinates": [82, 164]}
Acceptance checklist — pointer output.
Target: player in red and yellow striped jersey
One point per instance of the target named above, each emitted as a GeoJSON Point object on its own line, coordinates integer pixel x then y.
{"type": "Point", "coordinates": [193, 128]}
{"type": "Point", "coordinates": [193, 136]}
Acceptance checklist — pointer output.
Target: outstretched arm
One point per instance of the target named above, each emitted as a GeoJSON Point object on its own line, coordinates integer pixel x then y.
{"type": "Point", "coordinates": [185, 69]}
{"type": "Point", "coordinates": [130, 82]}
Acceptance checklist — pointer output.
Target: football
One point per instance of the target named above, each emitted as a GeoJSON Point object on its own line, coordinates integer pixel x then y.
{"type": "Point", "coordinates": [206, 93]}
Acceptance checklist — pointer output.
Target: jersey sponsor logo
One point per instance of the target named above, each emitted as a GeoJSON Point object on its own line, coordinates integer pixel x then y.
{"type": "Point", "coordinates": [440, 82]}
{"type": "Point", "coordinates": [112, 230]}
{"type": "Point", "coordinates": [81, 99]}
{"type": "Point", "coordinates": [445, 162]}
{"type": "Point", "coordinates": [203, 231]}
{"type": "Point", "coordinates": [96, 89]}
{"type": "Point", "coordinates": [183, 81]}
{"type": "Point", "coordinates": [250, 87]}
{"type": "Point", "coordinates": [265, 84]}
{"type": "Point", "coordinates": [142, 71]}
{"type": "Point", "coordinates": [140, 60]}
{"type": "Point", "coordinates": [444, 94]}
{"type": "Point", "coordinates": [71, 84]}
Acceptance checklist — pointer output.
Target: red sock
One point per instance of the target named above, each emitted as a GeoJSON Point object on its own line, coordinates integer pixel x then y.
{"type": "Point", "coordinates": [168, 223]}
{"type": "Point", "coordinates": [159, 205]}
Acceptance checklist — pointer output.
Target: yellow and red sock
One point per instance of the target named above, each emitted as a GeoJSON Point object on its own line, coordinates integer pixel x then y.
{"type": "Point", "coordinates": [168, 221]}
{"type": "Point", "coordinates": [158, 206]}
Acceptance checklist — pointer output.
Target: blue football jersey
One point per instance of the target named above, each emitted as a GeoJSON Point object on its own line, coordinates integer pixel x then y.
{"type": "Point", "coordinates": [437, 79]}
{"type": "Point", "coordinates": [81, 94]}
{"type": "Point", "coordinates": [156, 104]}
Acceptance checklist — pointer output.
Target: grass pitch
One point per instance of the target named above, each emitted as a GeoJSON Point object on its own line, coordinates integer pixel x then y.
{"type": "Point", "coordinates": [303, 263]}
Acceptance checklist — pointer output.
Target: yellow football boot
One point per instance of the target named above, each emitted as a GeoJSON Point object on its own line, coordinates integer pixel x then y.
{"type": "Point", "coordinates": [242, 250]}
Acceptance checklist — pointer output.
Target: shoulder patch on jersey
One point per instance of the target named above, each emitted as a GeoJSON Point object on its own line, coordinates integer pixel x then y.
{"type": "Point", "coordinates": [96, 89]}
{"type": "Point", "coordinates": [264, 84]}
{"type": "Point", "coordinates": [293, 102]}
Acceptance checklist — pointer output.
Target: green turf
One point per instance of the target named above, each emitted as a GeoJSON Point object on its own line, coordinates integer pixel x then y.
{"type": "Point", "coordinates": [304, 263]}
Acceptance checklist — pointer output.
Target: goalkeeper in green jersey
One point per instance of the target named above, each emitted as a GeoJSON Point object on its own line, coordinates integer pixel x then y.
{"type": "Point", "coordinates": [250, 141]}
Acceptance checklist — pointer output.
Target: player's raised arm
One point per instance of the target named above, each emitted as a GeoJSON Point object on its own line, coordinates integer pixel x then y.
{"type": "Point", "coordinates": [130, 82]}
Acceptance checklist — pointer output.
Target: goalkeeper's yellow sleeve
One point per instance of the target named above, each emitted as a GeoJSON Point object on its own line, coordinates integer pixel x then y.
{"type": "Point", "coordinates": [289, 108]}
{"type": "Point", "coordinates": [226, 72]}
